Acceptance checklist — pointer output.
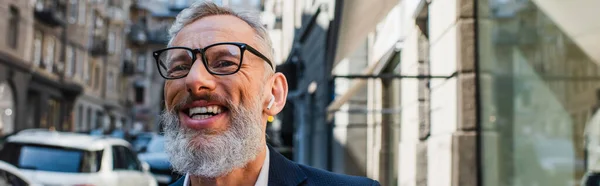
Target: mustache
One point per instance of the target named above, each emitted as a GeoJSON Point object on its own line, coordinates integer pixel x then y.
{"type": "Point", "coordinates": [188, 99]}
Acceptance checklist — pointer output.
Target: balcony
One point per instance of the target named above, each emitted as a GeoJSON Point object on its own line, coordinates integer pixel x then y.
{"type": "Point", "coordinates": [138, 34]}
{"type": "Point", "coordinates": [158, 36]}
{"type": "Point", "coordinates": [52, 13]}
{"type": "Point", "coordinates": [99, 47]}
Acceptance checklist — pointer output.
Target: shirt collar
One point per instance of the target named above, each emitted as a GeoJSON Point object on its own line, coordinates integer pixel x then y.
{"type": "Point", "coordinates": [263, 176]}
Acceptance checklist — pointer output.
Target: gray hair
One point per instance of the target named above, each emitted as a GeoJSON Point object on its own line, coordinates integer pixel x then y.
{"type": "Point", "coordinates": [203, 9]}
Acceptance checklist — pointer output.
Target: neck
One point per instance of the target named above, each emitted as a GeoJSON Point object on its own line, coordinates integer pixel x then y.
{"type": "Point", "coordinates": [246, 175]}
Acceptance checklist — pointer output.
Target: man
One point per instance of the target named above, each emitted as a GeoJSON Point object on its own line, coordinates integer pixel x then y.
{"type": "Point", "coordinates": [221, 89]}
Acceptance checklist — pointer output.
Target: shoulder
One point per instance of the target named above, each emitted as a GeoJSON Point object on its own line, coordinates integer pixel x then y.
{"type": "Point", "coordinates": [322, 177]}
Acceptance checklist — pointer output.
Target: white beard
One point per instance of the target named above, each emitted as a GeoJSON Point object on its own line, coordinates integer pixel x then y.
{"type": "Point", "coordinates": [206, 154]}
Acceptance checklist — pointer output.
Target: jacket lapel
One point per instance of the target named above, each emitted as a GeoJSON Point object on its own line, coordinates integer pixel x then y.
{"type": "Point", "coordinates": [179, 182]}
{"type": "Point", "coordinates": [283, 171]}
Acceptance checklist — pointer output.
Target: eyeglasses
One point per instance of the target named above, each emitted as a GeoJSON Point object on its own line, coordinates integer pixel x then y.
{"type": "Point", "coordinates": [219, 59]}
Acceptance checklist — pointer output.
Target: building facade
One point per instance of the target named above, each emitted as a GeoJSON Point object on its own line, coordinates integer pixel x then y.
{"type": "Point", "coordinates": [98, 29]}
{"type": "Point", "coordinates": [463, 92]}
{"type": "Point", "coordinates": [147, 33]}
{"type": "Point", "coordinates": [61, 65]}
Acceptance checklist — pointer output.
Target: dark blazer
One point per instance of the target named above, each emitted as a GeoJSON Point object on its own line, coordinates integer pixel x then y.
{"type": "Point", "coordinates": [288, 173]}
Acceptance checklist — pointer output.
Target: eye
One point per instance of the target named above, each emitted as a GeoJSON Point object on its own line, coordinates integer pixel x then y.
{"type": "Point", "coordinates": [179, 68]}
{"type": "Point", "coordinates": [223, 64]}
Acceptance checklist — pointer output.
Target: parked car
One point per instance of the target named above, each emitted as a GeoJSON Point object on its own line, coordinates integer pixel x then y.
{"type": "Point", "coordinates": [140, 141]}
{"type": "Point", "coordinates": [11, 176]}
{"type": "Point", "coordinates": [60, 158]}
{"type": "Point", "coordinates": [155, 155]}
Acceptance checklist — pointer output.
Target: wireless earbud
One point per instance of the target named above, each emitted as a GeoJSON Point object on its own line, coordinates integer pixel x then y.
{"type": "Point", "coordinates": [271, 102]}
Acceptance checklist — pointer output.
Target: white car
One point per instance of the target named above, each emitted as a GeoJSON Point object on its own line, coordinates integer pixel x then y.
{"type": "Point", "coordinates": [11, 176]}
{"type": "Point", "coordinates": [60, 158]}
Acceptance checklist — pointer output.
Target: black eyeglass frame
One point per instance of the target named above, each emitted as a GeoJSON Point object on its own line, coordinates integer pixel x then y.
{"type": "Point", "coordinates": [243, 47]}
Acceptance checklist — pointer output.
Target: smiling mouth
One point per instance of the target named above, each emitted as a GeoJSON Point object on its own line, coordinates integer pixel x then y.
{"type": "Point", "coordinates": [201, 113]}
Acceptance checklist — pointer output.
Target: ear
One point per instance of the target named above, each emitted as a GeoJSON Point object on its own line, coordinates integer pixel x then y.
{"type": "Point", "coordinates": [279, 90]}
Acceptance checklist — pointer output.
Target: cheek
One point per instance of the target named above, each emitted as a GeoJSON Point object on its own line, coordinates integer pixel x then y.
{"type": "Point", "coordinates": [173, 93]}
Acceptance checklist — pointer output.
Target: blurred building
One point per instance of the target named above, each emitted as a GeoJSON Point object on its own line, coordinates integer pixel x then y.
{"type": "Point", "coordinates": [61, 65]}
{"type": "Point", "coordinates": [15, 63]}
{"type": "Point", "coordinates": [97, 31]}
{"type": "Point", "coordinates": [148, 31]}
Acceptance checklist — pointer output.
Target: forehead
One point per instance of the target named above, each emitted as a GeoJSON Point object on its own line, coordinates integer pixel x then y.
{"type": "Point", "coordinates": [214, 29]}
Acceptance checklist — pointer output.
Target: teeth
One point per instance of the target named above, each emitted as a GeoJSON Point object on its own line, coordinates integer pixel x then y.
{"type": "Point", "coordinates": [200, 116]}
{"type": "Point", "coordinates": [205, 110]}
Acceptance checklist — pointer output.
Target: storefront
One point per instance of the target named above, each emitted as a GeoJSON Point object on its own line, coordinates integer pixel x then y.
{"type": "Point", "coordinates": [539, 84]}
{"type": "Point", "coordinates": [7, 108]}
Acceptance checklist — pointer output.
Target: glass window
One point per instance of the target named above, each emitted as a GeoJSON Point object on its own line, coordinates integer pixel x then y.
{"type": "Point", "coordinates": [80, 122]}
{"type": "Point", "coordinates": [124, 159]}
{"type": "Point", "coordinates": [72, 65]}
{"type": "Point", "coordinates": [97, 79]}
{"type": "Point", "coordinates": [141, 62]}
{"type": "Point", "coordinates": [49, 54]}
{"type": "Point", "coordinates": [37, 48]}
{"type": "Point", "coordinates": [540, 119]}
{"type": "Point", "coordinates": [50, 158]}
{"type": "Point", "coordinates": [73, 10]}
{"type": "Point", "coordinates": [110, 82]}
{"type": "Point", "coordinates": [111, 42]}
{"type": "Point", "coordinates": [139, 94]}
{"type": "Point", "coordinates": [13, 29]}
{"type": "Point", "coordinates": [89, 120]}
{"type": "Point", "coordinates": [82, 13]}
{"type": "Point", "coordinates": [53, 114]}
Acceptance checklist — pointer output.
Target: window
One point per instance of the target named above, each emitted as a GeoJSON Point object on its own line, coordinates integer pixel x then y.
{"type": "Point", "coordinates": [56, 159]}
{"type": "Point", "coordinates": [118, 42]}
{"type": "Point", "coordinates": [73, 11]}
{"type": "Point", "coordinates": [13, 29]}
{"type": "Point", "coordinates": [88, 115]}
{"type": "Point", "coordinates": [71, 53]}
{"type": "Point", "coordinates": [82, 14]}
{"type": "Point", "coordinates": [82, 63]}
{"type": "Point", "coordinates": [59, 65]}
{"type": "Point", "coordinates": [53, 114]}
{"type": "Point", "coordinates": [37, 48]}
{"type": "Point", "coordinates": [111, 42]}
{"type": "Point", "coordinates": [124, 159]}
{"type": "Point", "coordinates": [114, 3]}
{"type": "Point", "coordinates": [552, 138]}
{"type": "Point", "coordinates": [80, 122]}
{"type": "Point", "coordinates": [87, 71]}
{"type": "Point", "coordinates": [70, 61]}
{"type": "Point", "coordinates": [97, 76]}
{"type": "Point", "coordinates": [49, 54]}
{"type": "Point", "coordinates": [141, 62]}
{"type": "Point", "coordinates": [139, 94]}
{"type": "Point", "coordinates": [39, 5]}
{"type": "Point", "coordinates": [110, 82]}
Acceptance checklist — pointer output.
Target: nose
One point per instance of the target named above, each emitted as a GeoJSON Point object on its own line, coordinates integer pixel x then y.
{"type": "Point", "coordinates": [199, 79]}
